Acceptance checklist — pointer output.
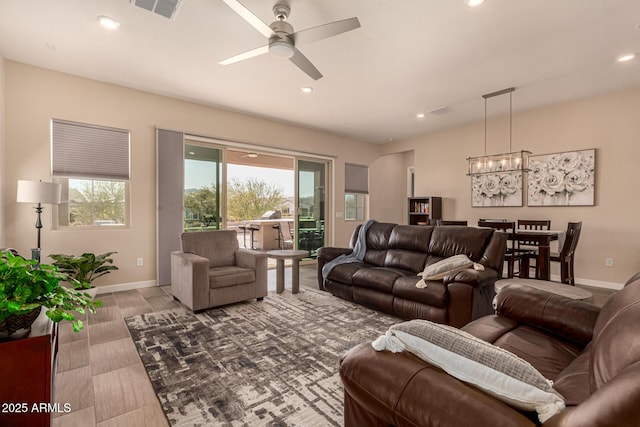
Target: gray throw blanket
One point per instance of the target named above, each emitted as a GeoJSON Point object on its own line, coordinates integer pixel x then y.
{"type": "Point", "coordinates": [357, 255]}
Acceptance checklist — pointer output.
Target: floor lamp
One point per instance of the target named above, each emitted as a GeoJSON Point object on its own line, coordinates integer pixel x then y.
{"type": "Point", "coordinates": [41, 193]}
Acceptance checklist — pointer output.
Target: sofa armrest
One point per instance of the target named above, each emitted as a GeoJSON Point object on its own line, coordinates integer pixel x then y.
{"type": "Point", "coordinates": [190, 279]}
{"type": "Point", "coordinates": [256, 261]}
{"type": "Point", "coordinates": [326, 254]}
{"type": "Point", "coordinates": [249, 259]}
{"type": "Point", "coordinates": [474, 278]}
{"type": "Point", "coordinates": [403, 390]}
{"type": "Point", "coordinates": [562, 316]}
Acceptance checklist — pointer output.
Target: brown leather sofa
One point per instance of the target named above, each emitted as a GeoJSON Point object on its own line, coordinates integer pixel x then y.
{"type": "Point", "coordinates": [591, 354]}
{"type": "Point", "coordinates": [395, 254]}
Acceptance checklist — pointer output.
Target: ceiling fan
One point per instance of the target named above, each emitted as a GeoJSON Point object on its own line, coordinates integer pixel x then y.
{"type": "Point", "coordinates": [283, 40]}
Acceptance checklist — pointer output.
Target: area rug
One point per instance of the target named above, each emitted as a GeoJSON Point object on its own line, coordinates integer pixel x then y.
{"type": "Point", "coordinates": [272, 362]}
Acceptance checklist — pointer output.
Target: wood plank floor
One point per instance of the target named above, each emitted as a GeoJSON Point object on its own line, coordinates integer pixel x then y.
{"type": "Point", "coordinates": [100, 374]}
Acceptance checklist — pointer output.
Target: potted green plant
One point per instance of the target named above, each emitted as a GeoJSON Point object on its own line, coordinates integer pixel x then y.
{"type": "Point", "coordinates": [84, 268]}
{"type": "Point", "coordinates": [26, 286]}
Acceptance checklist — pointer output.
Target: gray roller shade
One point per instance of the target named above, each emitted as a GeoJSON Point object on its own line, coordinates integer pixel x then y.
{"type": "Point", "coordinates": [356, 179]}
{"type": "Point", "coordinates": [89, 151]}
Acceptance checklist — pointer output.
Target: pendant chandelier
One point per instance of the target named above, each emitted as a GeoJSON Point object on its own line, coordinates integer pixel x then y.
{"type": "Point", "coordinates": [496, 163]}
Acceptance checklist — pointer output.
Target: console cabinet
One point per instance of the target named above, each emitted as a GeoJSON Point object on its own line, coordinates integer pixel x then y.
{"type": "Point", "coordinates": [27, 369]}
{"type": "Point", "coordinates": [424, 210]}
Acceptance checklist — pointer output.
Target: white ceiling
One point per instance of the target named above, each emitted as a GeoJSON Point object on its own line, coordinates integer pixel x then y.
{"type": "Point", "coordinates": [409, 56]}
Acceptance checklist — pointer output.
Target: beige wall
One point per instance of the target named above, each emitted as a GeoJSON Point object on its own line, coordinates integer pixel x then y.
{"type": "Point", "coordinates": [2, 145]}
{"type": "Point", "coordinates": [609, 123]}
{"type": "Point", "coordinates": [35, 95]}
{"type": "Point", "coordinates": [388, 187]}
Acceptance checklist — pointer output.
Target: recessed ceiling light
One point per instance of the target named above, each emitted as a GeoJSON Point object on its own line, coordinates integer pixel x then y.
{"type": "Point", "coordinates": [306, 89]}
{"type": "Point", "coordinates": [420, 115]}
{"type": "Point", "coordinates": [108, 22]}
{"type": "Point", "coordinates": [474, 3]}
{"type": "Point", "coordinates": [626, 57]}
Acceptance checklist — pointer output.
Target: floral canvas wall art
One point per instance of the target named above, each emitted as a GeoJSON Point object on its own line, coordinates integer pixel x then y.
{"type": "Point", "coordinates": [562, 179]}
{"type": "Point", "coordinates": [496, 189]}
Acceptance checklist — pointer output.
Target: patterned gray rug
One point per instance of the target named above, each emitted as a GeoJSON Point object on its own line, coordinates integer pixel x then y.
{"type": "Point", "coordinates": [273, 362]}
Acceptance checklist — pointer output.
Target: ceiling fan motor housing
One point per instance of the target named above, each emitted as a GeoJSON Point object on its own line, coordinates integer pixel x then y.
{"type": "Point", "coordinates": [280, 44]}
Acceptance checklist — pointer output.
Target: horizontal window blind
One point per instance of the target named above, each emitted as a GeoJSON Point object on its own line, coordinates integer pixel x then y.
{"type": "Point", "coordinates": [89, 151]}
{"type": "Point", "coordinates": [356, 179]}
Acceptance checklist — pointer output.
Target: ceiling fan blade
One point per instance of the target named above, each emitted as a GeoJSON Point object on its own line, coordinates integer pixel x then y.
{"type": "Point", "coordinates": [248, 16]}
{"type": "Point", "coordinates": [246, 55]}
{"type": "Point", "coordinates": [305, 65]}
{"type": "Point", "coordinates": [324, 31]}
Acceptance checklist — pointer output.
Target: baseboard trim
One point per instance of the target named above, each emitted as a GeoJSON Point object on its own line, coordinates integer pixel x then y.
{"type": "Point", "coordinates": [586, 282]}
{"type": "Point", "coordinates": [596, 283]}
{"type": "Point", "coordinates": [126, 286]}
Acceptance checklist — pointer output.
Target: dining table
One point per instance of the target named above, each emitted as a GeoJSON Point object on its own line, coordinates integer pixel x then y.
{"type": "Point", "coordinates": [542, 240]}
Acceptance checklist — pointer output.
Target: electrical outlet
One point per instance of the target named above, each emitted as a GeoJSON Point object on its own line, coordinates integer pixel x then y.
{"type": "Point", "coordinates": [139, 262]}
{"type": "Point", "coordinates": [608, 262]}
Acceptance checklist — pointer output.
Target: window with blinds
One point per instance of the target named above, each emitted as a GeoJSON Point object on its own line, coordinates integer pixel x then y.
{"type": "Point", "coordinates": [92, 164]}
{"type": "Point", "coordinates": [356, 189]}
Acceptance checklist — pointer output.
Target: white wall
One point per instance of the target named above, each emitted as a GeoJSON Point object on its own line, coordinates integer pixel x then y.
{"type": "Point", "coordinates": [610, 123]}
{"type": "Point", "coordinates": [35, 95]}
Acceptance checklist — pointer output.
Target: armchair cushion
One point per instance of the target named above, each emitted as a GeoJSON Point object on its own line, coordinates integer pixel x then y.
{"type": "Point", "coordinates": [231, 275]}
{"type": "Point", "coordinates": [470, 359]}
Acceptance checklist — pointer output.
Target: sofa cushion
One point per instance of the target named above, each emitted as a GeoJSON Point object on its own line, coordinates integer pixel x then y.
{"type": "Point", "coordinates": [573, 381]}
{"type": "Point", "coordinates": [378, 278]}
{"type": "Point", "coordinates": [410, 238]}
{"type": "Point", "coordinates": [343, 273]}
{"type": "Point", "coordinates": [220, 277]}
{"type": "Point", "coordinates": [470, 359]}
{"type": "Point", "coordinates": [449, 241]}
{"type": "Point", "coordinates": [405, 259]}
{"type": "Point", "coordinates": [435, 294]}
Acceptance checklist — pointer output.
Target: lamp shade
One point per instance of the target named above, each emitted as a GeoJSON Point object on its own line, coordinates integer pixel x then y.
{"type": "Point", "coordinates": [38, 192]}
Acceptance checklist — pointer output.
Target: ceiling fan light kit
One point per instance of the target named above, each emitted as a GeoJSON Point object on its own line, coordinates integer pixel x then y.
{"type": "Point", "coordinates": [283, 39]}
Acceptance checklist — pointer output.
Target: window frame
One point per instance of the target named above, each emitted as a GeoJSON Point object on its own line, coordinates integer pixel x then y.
{"type": "Point", "coordinates": [358, 209]}
{"type": "Point", "coordinates": [67, 136]}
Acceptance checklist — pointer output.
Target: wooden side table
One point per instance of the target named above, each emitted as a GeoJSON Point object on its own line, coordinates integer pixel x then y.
{"type": "Point", "coordinates": [27, 368]}
{"type": "Point", "coordinates": [295, 256]}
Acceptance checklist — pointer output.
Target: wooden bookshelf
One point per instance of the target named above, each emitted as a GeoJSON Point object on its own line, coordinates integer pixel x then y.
{"type": "Point", "coordinates": [424, 210]}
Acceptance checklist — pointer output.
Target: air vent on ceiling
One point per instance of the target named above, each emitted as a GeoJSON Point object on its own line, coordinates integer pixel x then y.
{"type": "Point", "coordinates": [166, 8]}
{"type": "Point", "coordinates": [440, 111]}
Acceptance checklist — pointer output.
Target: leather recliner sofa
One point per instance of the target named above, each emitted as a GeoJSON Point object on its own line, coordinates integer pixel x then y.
{"type": "Point", "coordinates": [591, 354]}
{"type": "Point", "coordinates": [386, 279]}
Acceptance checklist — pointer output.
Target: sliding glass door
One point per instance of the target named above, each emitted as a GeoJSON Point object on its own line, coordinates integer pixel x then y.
{"type": "Point", "coordinates": [311, 204]}
{"type": "Point", "coordinates": [202, 187]}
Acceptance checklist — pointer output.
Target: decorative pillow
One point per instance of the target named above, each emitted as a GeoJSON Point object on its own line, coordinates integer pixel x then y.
{"type": "Point", "coordinates": [438, 270]}
{"type": "Point", "coordinates": [492, 369]}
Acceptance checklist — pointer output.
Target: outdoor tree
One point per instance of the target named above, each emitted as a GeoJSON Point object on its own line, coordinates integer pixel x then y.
{"type": "Point", "coordinates": [250, 198]}
{"type": "Point", "coordinates": [203, 203]}
{"type": "Point", "coordinates": [98, 200]}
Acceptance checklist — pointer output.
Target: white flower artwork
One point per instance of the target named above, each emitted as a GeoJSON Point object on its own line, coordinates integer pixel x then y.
{"type": "Point", "coordinates": [562, 179]}
{"type": "Point", "coordinates": [496, 189]}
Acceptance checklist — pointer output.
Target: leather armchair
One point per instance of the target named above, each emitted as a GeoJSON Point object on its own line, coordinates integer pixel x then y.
{"type": "Point", "coordinates": [212, 270]}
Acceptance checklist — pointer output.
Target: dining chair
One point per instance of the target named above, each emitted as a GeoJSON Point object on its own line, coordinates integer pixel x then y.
{"type": "Point", "coordinates": [441, 222]}
{"type": "Point", "coordinates": [532, 224]}
{"type": "Point", "coordinates": [512, 253]}
{"type": "Point", "coordinates": [566, 255]}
